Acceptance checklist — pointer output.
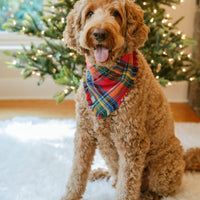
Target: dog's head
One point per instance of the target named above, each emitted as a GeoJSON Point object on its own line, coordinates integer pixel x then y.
{"type": "Point", "coordinates": [105, 29]}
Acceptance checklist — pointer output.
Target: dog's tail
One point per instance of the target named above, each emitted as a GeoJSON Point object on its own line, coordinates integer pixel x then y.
{"type": "Point", "coordinates": [192, 159]}
{"type": "Point", "coordinates": [99, 174]}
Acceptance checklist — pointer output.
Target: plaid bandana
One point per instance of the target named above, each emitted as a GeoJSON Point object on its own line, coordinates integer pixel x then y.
{"type": "Point", "coordinates": [105, 88]}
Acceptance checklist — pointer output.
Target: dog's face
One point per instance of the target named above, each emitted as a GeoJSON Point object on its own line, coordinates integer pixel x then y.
{"type": "Point", "coordinates": [105, 29]}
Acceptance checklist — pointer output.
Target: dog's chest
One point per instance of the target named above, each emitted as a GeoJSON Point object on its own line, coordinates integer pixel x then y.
{"type": "Point", "coordinates": [111, 126]}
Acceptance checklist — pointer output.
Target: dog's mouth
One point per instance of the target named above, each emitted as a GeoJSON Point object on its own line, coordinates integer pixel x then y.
{"type": "Point", "coordinates": [101, 53]}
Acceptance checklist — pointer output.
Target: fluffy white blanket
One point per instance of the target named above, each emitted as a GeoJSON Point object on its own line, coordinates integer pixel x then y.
{"type": "Point", "coordinates": [36, 158]}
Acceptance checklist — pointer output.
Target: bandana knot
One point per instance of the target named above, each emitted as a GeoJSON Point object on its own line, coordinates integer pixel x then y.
{"type": "Point", "coordinates": [106, 87]}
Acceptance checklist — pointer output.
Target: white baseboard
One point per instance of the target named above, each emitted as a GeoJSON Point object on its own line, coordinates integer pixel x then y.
{"type": "Point", "coordinates": [177, 92]}
{"type": "Point", "coordinates": [16, 88]}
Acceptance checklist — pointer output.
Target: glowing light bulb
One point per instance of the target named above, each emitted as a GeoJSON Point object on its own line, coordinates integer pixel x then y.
{"type": "Point", "coordinates": [158, 67]}
{"type": "Point", "coordinates": [152, 19]}
{"type": "Point", "coordinates": [164, 53]}
{"type": "Point", "coordinates": [34, 58]}
{"type": "Point", "coordinates": [63, 20]}
{"type": "Point", "coordinates": [169, 83]}
{"type": "Point", "coordinates": [152, 61]}
{"type": "Point", "coordinates": [157, 77]}
{"type": "Point", "coordinates": [14, 62]}
{"type": "Point", "coordinates": [42, 32]}
{"type": "Point", "coordinates": [168, 15]}
{"type": "Point", "coordinates": [14, 22]}
{"type": "Point", "coordinates": [184, 70]}
{"type": "Point", "coordinates": [169, 24]}
{"type": "Point", "coordinates": [192, 78]}
{"type": "Point", "coordinates": [66, 91]}
{"type": "Point", "coordinates": [174, 7]}
{"type": "Point", "coordinates": [39, 51]}
{"type": "Point", "coordinates": [183, 37]}
{"type": "Point", "coordinates": [54, 70]}
{"type": "Point", "coordinates": [164, 21]}
{"type": "Point", "coordinates": [155, 11]}
{"type": "Point", "coordinates": [144, 3]}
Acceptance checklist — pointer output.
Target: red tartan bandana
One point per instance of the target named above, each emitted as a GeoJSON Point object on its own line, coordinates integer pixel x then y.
{"type": "Point", "coordinates": [106, 87]}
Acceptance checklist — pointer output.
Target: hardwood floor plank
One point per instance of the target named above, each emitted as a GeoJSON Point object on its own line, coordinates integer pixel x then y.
{"type": "Point", "coordinates": [39, 108]}
{"type": "Point", "coordinates": [182, 112]}
{"type": "Point", "coordinates": [48, 109]}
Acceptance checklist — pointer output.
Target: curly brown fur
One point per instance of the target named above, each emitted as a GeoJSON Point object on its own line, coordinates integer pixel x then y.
{"type": "Point", "coordinates": [126, 33]}
{"type": "Point", "coordinates": [149, 196]}
{"type": "Point", "coordinates": [192, 159]}
{"type": "Point", "coordinates": [99, 174]}
{"type": "Point", "coordinates": [137, 140]}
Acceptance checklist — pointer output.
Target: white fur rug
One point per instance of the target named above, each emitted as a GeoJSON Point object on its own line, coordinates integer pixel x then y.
{"type": "Point", "coordinates": [36, 157]}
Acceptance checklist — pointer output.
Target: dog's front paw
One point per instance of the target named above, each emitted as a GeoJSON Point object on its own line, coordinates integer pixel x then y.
{"type": "Point", "coordinates": [70, 196]}
{"type": "Point", "coordinates": [149, 196]}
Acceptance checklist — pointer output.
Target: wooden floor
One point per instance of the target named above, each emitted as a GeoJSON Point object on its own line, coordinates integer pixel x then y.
{"type": "Point", "coordinates": [39, 108]}
{"type": "Point", "coordinates": [48, 109]}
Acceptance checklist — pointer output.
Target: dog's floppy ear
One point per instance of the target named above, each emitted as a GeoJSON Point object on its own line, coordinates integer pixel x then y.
{"type": "Point", "coordinates": [72, 31]}
{"type": "Point", "coordinates": [136, 30]}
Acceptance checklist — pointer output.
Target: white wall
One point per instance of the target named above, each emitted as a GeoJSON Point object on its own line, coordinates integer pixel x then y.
{"type": "Point", "coordinates": [13, 87]}
{"type": "Point", "coordinates": [186, 9]}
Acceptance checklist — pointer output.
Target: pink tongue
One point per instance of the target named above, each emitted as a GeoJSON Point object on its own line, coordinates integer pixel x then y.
{"type": "Point", "coordinates": [101, 54]}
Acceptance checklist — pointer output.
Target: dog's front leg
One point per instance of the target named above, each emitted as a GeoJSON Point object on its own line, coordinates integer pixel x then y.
{"type": "Point", "coordinates": [132, 149]}
{"type": "Point", "coordinates": [84, 150]}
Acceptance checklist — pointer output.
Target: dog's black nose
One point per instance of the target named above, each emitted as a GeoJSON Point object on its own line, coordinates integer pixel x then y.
{"type": "Point", "coordinates": [100, 34]}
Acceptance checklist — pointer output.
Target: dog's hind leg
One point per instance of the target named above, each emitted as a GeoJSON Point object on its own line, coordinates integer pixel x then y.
{"type": "Point", "coordinates": [166, 171]}
{"type": "Point", "coordinates": [84, 149]}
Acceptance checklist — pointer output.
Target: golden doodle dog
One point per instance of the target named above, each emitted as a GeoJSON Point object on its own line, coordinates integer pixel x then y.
{"type": "Point", "coordinates": [120, 107]}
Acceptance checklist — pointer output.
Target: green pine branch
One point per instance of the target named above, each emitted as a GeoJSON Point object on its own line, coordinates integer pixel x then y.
{"type": "Point", "coordinates": [165, 50]}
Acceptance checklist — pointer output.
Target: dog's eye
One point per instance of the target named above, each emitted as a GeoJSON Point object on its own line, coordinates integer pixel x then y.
{"type": "Point", "coordinates": [116, 14]}
{"type": "Point", "coordinates": [89, 14]}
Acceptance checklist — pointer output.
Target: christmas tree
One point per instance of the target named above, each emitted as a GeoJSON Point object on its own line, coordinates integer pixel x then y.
{"type": "Point", "coordinates": [164, 50]}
